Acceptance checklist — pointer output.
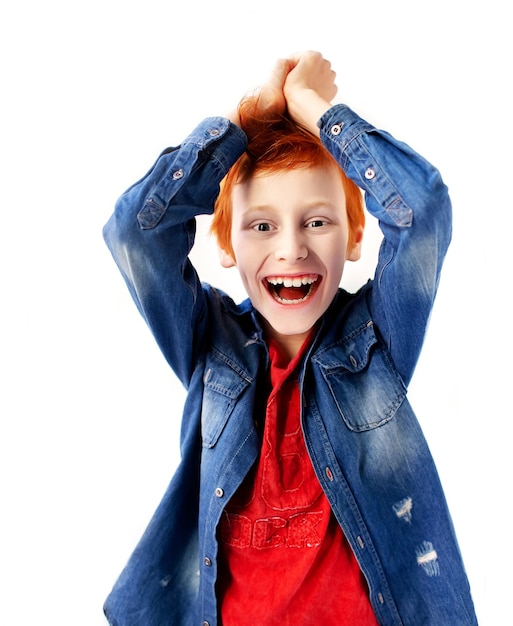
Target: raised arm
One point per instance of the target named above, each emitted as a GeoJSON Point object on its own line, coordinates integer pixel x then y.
{"type": "Point", "coordinates": [152, 229]}
{"type": "Point", "coordinates": [402, 190]}
{"type": "Point", "coordinates": [152, 232]}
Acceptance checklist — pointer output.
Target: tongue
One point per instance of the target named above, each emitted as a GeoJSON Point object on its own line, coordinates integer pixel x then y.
{"type": "Point", "coordinates": [293, 293]}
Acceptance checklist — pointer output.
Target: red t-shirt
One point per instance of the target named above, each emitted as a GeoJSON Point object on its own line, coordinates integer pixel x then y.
{"type": "Point", "coordinates": [283, 558]}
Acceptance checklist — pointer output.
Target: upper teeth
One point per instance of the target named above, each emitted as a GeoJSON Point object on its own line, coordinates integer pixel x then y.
{"type": "Point", "coordinates": [292, 282]}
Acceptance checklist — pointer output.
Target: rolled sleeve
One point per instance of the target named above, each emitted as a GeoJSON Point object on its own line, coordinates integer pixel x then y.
{"type": "Point", "coordinates": [215, 144]}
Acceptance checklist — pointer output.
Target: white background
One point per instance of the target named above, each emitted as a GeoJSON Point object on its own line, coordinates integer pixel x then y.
{"type": "Point", "coordinates": [91, 92]}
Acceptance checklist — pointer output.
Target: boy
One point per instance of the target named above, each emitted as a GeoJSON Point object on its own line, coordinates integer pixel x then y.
{"type": "Point", "coordinates": [306, 493]}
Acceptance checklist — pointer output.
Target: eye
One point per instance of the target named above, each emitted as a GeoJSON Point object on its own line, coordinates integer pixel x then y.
{"type": "Point", "coordinates": [317, 223]}
{"type": "Point", "coordinates": [262, 227]}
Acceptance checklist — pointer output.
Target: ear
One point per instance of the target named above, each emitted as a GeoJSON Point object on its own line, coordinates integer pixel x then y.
{"type": "Point", "coordinates": [355, 251]}
{"type": "Point", "coordinates": [226, 259]}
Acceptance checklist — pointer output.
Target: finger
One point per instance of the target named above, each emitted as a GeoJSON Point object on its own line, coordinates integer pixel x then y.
{"type": "Point", "coordinates": [280, 70]}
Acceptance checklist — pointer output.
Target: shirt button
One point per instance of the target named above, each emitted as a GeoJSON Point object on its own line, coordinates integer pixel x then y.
{"type": "Point", "coordinates": [336, 129]}
{"type": "Point", "coordinates": [205, 623]}
{"type": "Point", "coordinates": [329, 473]}
{"type": "Point", "coordinates": [178, 174]}
{"type": "Point", "coordinates": [213, 132]}
{"type": "Point", "coordinates": [370, 173]}
{"type": "Point", "coordinates": [381, 598]}
{"type": "Point", "coordinates": [207, 561]}
{"type": "Point", "coordinates": [219, 492]}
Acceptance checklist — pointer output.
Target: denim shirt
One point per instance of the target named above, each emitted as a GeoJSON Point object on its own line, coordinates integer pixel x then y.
{"type": "Point", "coordinates": [364, 441]}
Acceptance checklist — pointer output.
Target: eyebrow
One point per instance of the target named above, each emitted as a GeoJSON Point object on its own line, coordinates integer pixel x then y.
{"type": "Point", "coordinates": [309, 206]}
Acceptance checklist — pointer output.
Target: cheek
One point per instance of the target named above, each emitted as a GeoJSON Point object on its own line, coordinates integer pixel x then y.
{"type": "Point", "coordinates": [245, 260]}
{"type": "Point", "coordinates": [335, 267]}
{"type": "Point", "coordinates": [333, 253]}
{"type": "Point", "coordinates": [248, 251]}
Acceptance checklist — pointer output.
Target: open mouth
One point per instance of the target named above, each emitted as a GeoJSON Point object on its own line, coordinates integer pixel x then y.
{"type": "Point", "coordinates": [293, 290]}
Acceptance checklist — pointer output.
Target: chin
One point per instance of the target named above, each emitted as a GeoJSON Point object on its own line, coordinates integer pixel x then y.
{"type": "Point", "coordinates": [290, 330]}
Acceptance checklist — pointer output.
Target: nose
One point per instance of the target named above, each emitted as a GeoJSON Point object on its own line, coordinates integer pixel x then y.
{"type": "Point", "coordinates": [291, 246]}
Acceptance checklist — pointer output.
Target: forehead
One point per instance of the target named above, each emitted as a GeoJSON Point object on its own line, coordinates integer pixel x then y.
{"type": "Point", "coordinates": [296, 187]}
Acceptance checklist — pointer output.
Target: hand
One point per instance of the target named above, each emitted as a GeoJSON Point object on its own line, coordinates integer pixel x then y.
{"type": "Point", "coordinates": [269, 100]}
{"type": "Point", "coordinates": [309, 88]}
{"type": "Point", "coordinates": [270, 97]}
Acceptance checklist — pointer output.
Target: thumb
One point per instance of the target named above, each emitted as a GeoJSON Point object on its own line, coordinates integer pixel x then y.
{"type": "Point", "coordinates": [279, 73]}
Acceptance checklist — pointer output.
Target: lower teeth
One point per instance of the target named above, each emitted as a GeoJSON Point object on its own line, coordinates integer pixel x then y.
{"type": "Point", "coordinates": [283, 301]}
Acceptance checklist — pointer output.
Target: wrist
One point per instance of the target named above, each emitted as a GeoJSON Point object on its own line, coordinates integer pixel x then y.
{"type": "Point", "coordinates": [306, 108]}
{"type": "Point", "coordinates": [233, 116]}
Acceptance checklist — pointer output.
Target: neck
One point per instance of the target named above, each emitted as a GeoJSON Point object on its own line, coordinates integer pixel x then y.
{"type": "Point", "coordinates": [289, 345]}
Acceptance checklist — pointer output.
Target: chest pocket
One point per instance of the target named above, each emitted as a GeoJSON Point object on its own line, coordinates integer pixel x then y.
{"type": "Point", "coordinates": [362, 380]}
{"type": "Point", "coordinates": [224, 381]}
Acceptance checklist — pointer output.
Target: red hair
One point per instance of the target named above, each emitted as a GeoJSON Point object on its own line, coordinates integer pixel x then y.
{"type": "Point", "coordinates": [276, 143]}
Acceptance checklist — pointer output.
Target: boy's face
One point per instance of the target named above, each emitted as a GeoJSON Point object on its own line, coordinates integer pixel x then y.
{"type": "Point", "coordinates": [289, 236]}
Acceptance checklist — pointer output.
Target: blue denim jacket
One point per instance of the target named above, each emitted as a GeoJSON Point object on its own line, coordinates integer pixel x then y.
{"type": "Point", "coordinates": [365, 443]}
